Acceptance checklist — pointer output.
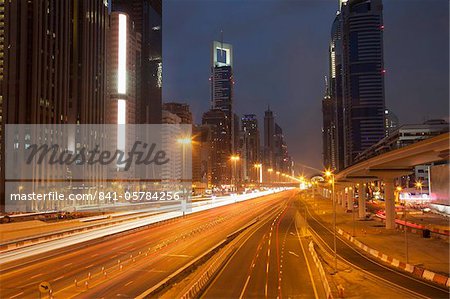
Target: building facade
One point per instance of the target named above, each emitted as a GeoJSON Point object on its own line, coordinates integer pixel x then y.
{"type": "Point", "coordinates": [219, 152]}
{"type": "Point", "coordinates": [53, 70]}
{"type": "Point", "coordinates": [146, 17]}
{"type": "Point", "coordinates": [269, 137]}
{"type": "Point", "coordinates": [363, 75]}
{"type": "Point", "coordinates": [250, 147]}
{"type": "Point", "coordinates": [181, 110]}
{"type": "Point", "coordinates": [356, 79]}
{"type": "Point", "coordinates": [222, 86]}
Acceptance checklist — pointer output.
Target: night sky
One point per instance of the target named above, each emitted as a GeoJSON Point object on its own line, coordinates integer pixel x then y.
{"type": "Point", "coordinates": [281, 58]}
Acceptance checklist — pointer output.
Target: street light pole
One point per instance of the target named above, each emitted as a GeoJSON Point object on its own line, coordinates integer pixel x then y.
{"type": "Point", "coordinates": [334, 223]}
{"type": "Point", "coordinates": [329, 174]}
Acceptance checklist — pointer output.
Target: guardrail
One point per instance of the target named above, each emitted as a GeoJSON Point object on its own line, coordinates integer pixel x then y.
{"type": "Point", "coordinates": [113, 230]}
{"type": "Point", "coordinates": [326, 285]}
{"type": "Point", "coordinates": [198, 286]}
{"type": "Point", "coordinates": [54, 235]}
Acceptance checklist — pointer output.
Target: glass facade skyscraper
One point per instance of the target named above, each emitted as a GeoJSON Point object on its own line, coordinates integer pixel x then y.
{"type": "Point", "coordinates": [363, 75]}
{"type": "Point", "coordinates": [356, 79]}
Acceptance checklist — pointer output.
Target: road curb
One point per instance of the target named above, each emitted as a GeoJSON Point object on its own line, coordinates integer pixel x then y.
{"type": "Point", "coordinates": [414, 270]}
{"type": "Point", "coordinates": [319, 266]}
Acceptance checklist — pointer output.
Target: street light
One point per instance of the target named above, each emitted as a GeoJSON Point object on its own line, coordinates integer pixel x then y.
{"type": "Point", "coordinates": [185, 141]}
{"type": "Point", "coordinates": [270, 170]}
{"type": "Point", "coordinates": [259, 166]}
{"type": "Point", "coordinates": [330, 175]}
{"type": "Point", "coordinates": [419, 185]}
{"type": "Point", "coordinates": [234, 159]}
{"type": "Point", "coordinates": [399, 189]}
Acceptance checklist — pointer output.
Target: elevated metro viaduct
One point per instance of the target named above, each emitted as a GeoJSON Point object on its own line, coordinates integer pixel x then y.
{"type": "Point", "coordinates": [387, 167]}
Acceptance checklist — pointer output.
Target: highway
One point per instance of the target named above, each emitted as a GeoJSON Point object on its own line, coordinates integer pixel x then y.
{"type": "Point", "coordinates": [271, 263]}
{"type": "Point", "coordinates": [127, 264]}
{"type": "Point", "coordinates": [415, 286]}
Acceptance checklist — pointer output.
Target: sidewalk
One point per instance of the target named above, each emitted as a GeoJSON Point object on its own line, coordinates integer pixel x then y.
{"type": "Point", "coordinates": [431, 254]}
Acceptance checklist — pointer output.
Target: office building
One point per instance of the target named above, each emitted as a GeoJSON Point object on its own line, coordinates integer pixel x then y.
{"type": "Point", "coordinates": [250, 147]}
{"type": "Point", "coordinates": [357, 79]}
{"type": "Point", "coordinates": [146, 17]}
{"type": "Point", "coordinates": [201, 167]}
{"type": "Point", "coordinates": [363, 75]}
{"type": "Point", "coordinates": [219, 154]}
{"type": "Point", "coordinates": [124, 45]}
{"type": "Point", "coordinates": [390, 121]}
{"type": "Point", "coordinates": [222, 86]}
{"type": "Point", "coordinates": [52, 71]}
{"type": "Point", "coordinates": [269, 137]}
{"type": "Point", "coordinates": [181, 110]}
{"type": "Point", "coordinates": [328, 130]}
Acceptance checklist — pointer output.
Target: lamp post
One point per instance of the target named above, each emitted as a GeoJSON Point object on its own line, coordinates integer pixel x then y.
{"type": "Point", "coordinates": [234, 159]}
{"type": "Point", "coordinates": [399, 189]}
{"type": "Point", "coordinates": [259, 166]}
{"type": "Point", "coordinates": [184, 142]}
{"type": "Point", "coordinates": [270, 170]}
{"type": "Point", "coordinates": [278, 177]}
{"type": "Point", "coordinates": [330, 175]}
{"type": "Point", "coordinates": [419, 185]}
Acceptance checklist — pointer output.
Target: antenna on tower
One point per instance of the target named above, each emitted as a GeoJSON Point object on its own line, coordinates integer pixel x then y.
{"type": "Point", "coordinates": [221, 38]}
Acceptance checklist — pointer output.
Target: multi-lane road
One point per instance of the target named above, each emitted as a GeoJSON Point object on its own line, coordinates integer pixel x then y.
{"type": "Point", "coordinates": [126, 265]}
{"type": "Point", "coordinates": [272, 263]}
{"type": "Point", "coordinates": [271, 258]}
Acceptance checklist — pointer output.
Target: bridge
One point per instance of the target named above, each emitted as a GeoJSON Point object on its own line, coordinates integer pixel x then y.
{"type": "Point", "coordinates": [387, 167]}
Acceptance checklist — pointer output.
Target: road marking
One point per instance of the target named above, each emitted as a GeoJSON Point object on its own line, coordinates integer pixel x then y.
{"type": "Point", "coordinates": [307, 263]}
{"type": "Point", "coordinates": [128, 283]}
{"type": "Point", "coordinates": [34, 276]}
{"type": "Point", "coordinates": [293, 253]}
{"type": "Point", "coordinates": [17, 295]}
{"type": "Point", "coordinates": [95, 254]}
{"type": "Point", "coordinates": [68, 264]}
{"type": "Point", "coordinates": [58, 278]}
{"type": "Point", "coordinates": [177, 255]}
{"type": "Point", "coordinates": [89, 266]}
{"type": "Point", "coordinates": [245, 287]}
{"type": "Point", "coordinates": [268, 252]}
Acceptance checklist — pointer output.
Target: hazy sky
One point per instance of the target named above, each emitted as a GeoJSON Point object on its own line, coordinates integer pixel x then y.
{"type": "Point", "coordinates": [280, 59]}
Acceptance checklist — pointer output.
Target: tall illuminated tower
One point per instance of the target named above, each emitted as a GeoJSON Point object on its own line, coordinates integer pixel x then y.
{"type": "Point", "coordinates": [356, 104]}
{"type": "Point", "coordinates": [222, 84]}
{"type": "Point", "coordinates": [363, 76]}
{"type": "Point", "coordinates": [123, 52]}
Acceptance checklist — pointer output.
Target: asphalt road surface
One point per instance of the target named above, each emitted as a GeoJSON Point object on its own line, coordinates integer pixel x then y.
{"type": "Point", "coordinates": [128, 264]}
{"type": "Point", "coordinates": [386, 274]}
{"type": "Point", "coordinates": [272, 263]}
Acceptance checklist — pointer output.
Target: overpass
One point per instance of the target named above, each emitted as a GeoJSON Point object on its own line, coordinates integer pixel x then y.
{"type": "Point", "coordinates": [388, 166]}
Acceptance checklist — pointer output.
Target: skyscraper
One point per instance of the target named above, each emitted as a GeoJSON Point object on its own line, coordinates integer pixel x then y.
{"type": "Point", "coordinates": [269, 137]}
{"type": "Point", "coordinates": [356, 80]}
{"type": "Point", "coordinates": [146, 17]}
{"type": "Point", "coordinates": [250, 147]}
{"type": "Point", "coordinates": [219, 154]}
{"type": "Point", "coordinates": [363, 76]}
{"type": "Point", "coordinates": [328, 130]}
{"type": "Point", "coordinates": [181, 110]}
{"type": "Point", "coordinates": [53, 71]}
{"type": "Point", "coordinates": [222, 85]}
{"type": "Point", "coordinates": [391, 121]}
{"type": "Point", "coordinates": [124, 45]}
{"type": "Point", "coordinates": [336, 100]}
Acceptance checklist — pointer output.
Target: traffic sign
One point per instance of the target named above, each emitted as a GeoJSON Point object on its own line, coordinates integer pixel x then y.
{"type": "Point", "coordinates": [44, 287]}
